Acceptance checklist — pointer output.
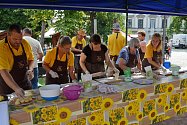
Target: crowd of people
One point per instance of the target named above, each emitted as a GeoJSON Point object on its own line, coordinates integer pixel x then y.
{"type": "Point", "coordinates": [71, 57]}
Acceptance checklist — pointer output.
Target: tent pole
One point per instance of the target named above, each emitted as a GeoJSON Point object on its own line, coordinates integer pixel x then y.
{"type": "Point", "coordinates": [164, 39]}
{"type": "Point", "coordinates": [126, 20]}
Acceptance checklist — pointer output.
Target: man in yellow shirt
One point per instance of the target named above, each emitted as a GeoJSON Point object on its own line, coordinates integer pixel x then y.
{"type": "Point", "coordinates": [16, 63]}
{"type": "Point", "coordinates": [116, 41]}
{"type": "Point", "coordinates": [78, 43]}
{"type": "Point", "coordinates": [59, 63]}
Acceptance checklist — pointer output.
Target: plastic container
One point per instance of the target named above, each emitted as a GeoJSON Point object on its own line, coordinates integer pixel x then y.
{"type": "Point", "coordinates": [72, 92]}
{"type": "Point", "coordinates": [167, 64]}
{"type": "Point", "coordinates": [175, 70]}
{"type": "Point", "coordinates": [50, 92]}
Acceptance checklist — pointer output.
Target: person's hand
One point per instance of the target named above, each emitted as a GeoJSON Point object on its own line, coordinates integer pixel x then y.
{"type": "Point", "coordinates": [87, 72]}
{"type": "Point", "coordinates": [3, 35]}
{"type": "Point", "coordinates": [20, 92]}
{"type": "Point", "coordinates": [30, 74]}
{"type": "Point", "coordinates": [53, 74]}
{"type": "Point", "coordinates": [74, 81]}
{"type": "Point", "coordinates": [116, 71]}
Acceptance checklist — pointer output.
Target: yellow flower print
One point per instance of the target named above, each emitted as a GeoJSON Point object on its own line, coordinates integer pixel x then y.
{"type": "Point", "coordinates": [184, 95]}
{"type": "Point", "coordinates": [13, 122]}
{"type": "Point", "coordinates": [152, 114]}
{"type": "Point", "coordinates": [43, 110]}
{"type": "Point", "coordinates": [130, 108]}
{"type": "Point", "coordinates": [92, 119]}
{"type": "Point", "coordinates": [44, 116]}
{"type": "Point", "coordinates": [123, 121]}
{"type": "Point", "coordinates": [166, 107]}
{"type": "Point", "coordinates": [169, 89]}
{"type": "Point", "coordinates": [105, 123]}
{"type": "Point", "coordinates": [139, 116]}
{"type": "Point", "coordinates": [107, 103]}
{"type": "Point", "coordinates": [142, 94]}
{"type": "Point", "coordinates": [177, 107]}
{"type": "Point", "coordinates": [63, 115]}
{"type": "Point", "coordinates": [30, 108]}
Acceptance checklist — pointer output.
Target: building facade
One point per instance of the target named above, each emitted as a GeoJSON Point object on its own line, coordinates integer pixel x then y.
{"type": "Point", "coordinates": [149, 23]}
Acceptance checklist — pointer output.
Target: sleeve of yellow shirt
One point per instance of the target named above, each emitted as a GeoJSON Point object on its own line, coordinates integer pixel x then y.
{"type": "Point", "coordinates": [74, 42]}
{"type": "Point", "coordinates": [108, 42]}
{"type": "Point", "coordinates": [149, 51]}
{"type": "Point", "coordinates": [84, 43]}
{"type": "Point", "coordinates": [48, 57]}
{"type": "Point", "coordinates": [71, 59]}
{"type": "Point", "coordinates": [4, 63]}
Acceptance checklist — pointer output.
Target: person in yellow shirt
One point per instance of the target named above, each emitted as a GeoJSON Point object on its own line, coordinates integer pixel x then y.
{"type": "Point", "coordinates": [153, 54]}
{"type": "Point", "coordinates": [59, 63]}
{"type": "Point", "coordinates": [16, 63]}
{"type": "Point", "coordinates": [116, 41]}
{"type": "Point", "coordinates": [78, 43]}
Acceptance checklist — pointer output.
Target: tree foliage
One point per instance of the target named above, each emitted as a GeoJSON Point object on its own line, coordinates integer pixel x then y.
{"type": "Point", "coordinates": [12, 16]}
{"type": "Point", "coordinates": [178, 25]}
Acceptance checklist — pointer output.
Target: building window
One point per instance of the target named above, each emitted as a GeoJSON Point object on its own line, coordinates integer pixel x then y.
{"type": "Point", "coordinates": [152, 23]}
{"type": "Point", "coordinates": [163, 23]}
{"type": "Point", "coordinates": [140, 23]}
{"type": "Point", "coordinates": [129, 25]}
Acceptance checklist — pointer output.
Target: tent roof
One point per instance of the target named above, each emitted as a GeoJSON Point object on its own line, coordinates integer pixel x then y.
{"type": "Point", "coordinates": [167, 7]}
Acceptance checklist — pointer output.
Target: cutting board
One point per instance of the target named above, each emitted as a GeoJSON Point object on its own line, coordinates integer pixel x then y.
{"type": "Point", "coordinates": [109, 80]}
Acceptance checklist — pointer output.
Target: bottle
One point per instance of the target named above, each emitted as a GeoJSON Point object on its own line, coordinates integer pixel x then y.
{"type": "Point", "coordinates": [127, 74]}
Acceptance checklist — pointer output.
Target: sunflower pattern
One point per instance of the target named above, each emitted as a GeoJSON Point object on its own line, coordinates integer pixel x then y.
{"type": "Point", "coordinates": [107, 103]}
{"type": "Point", "coordinates": [123, 121]}
{"type": "Point", "coordinates": [166, 107]}
{"type": "Point", "coordinates": [52, 123]}
{"type": "Point", "coordinates": [80, 121]}
{"type": "Point", "coordinates": [160, 88]}
{"type": "Point", "coordinates": [139, 116]}
{"type": "Point", "coordinates": [105, 123]}
{"type": "Point", "coordinates": [133, 107]}
{"type": "Point", "coordinates": [182, 111]}
{"type": "Point", "coordinates": [175, 98]}
{"type": "Point", "coordinates": [183, 83]}
{"type": "Point", "coordinates": [63, 115]}
{"type": "Point", "coordinates": [152, 114]}
{"type": "Point", "coordinates": [184, 94]}
{"type": "Point", "coordinates": [142, 94]}
{"type": "Point", "coordinates": [92, 104]}
{"type": "Point", "coordinates": [159, 118]}
{"type": "Point", "coordinates": [161, 100]}
{"type": "Point", "coordinates": [115, 115]}
{"type": "Point", "coordinates": [13, 122]}
{"type": "Point", "coordinates": [169, 89]}
{"type": "Point", "coordinates": [177, 107]}
{"type": "Point", "coordinates": [44, 114]}
{"type": "Point", "coordinates": [148, 106]}
{"type": "Point", "coordinates": [130, 95]}
{"type": "Point", "coordinates": [100, 116]}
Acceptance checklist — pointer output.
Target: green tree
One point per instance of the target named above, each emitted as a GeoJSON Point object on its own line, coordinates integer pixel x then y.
{"type": "Point", "coordinates": [11, 16]}
{"type": "Point", "coordinates": [178, 25]}
{"type": "Point", "coordinates": [40, 19]}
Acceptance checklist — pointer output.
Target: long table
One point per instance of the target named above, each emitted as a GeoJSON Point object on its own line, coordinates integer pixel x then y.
{"type": "Point", "coordinates": [134, 104]}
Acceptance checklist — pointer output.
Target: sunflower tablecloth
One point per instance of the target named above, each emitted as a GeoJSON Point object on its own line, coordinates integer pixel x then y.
{"type": "Point", "coordinates": [133, 105]}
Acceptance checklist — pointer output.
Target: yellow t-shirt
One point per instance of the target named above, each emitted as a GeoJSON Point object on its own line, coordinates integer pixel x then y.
{"type": "Point", "coordinates": [115, 45]}
{"type": "Point", "coordinates": [51, 55]}
{"type": "Point", "coordinates": [75, 41]}
{"type": "Point", "coordinates": [6, 57]}
{"type": "Point", "coordinates": [150, 49]}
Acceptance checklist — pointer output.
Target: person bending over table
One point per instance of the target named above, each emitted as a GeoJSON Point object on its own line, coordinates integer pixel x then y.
{"type": "Point", "coordinates": [59, 63]}
{"type": "Point", "coordinates": [94, 55]}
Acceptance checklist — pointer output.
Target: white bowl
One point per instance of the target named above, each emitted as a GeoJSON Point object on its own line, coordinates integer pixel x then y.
{"type": "Point", "coordinates": [50, 92]}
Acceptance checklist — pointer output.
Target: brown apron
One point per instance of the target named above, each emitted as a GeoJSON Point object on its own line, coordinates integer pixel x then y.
{"type": "Point", "coordinates": [97, 62]}
{"type": "Point", "coordinates": [78, 68]}
{"type": "Point", "coordinates": [156, 57]}
{"type": "Point", "coordinates": [60, 68]}
{"type": "Point", "coordinates": [141, 54]}
{"type": "Point", "coordinates": [18, 73]}
{"type": "Point", "coordinates": [132, 62]}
